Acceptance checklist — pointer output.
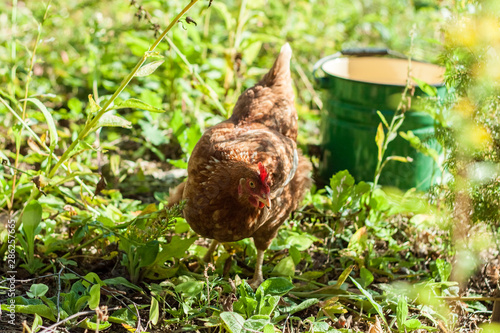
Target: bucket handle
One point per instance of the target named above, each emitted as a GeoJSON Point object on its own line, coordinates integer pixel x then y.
{"type": "Point", "coordinates": [320, 79]}
{"type": "Point", "coordinates": [354, 52]}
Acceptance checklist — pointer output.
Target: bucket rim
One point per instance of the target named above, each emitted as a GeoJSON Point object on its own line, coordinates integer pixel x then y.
{"type": "Point", "coordinates": [414, 84]}
{"type": "Point", "coordinates": [377, 53]}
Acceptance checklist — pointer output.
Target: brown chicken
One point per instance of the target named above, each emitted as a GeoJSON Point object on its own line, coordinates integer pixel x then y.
{"type": "Point", "coordinates": [245, 175]}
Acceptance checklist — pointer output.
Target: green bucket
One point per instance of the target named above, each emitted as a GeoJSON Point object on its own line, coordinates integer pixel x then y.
{"type": "Point", "coordinates": [355, 85]}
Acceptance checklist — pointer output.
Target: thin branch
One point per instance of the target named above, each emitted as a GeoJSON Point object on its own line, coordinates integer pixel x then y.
{"type": "Point", "coordinates": [90, 125]}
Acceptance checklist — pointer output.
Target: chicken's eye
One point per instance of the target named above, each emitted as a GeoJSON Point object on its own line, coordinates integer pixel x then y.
{"type": "Point", "coordinates": [252, 184]}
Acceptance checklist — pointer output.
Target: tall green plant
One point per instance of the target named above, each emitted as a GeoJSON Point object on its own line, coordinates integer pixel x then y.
{"type": "Point", "coordinates": [31, 221]}
{"type": "Point", "coordinates": [138, 70]}
{"type": "Point", "coordinates": [98, 116]}
{"type": "Point", "coordinates": [382, 139]}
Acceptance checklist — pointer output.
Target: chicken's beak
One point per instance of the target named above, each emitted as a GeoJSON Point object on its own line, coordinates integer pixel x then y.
{"type": "Point", "coordinates": [265, 199]}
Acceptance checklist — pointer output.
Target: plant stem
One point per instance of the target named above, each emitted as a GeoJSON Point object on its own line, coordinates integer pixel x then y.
{"type": "Point", "coordinates": [13, 51]}
{"type": "Point", "coordinates": [239, 27]}
{"type": "Point", "coordinates": [40, 142]}
{"type": "Point", "coordinates": [26, 90]}
{"type": "Point", "coordinates": [397, 119]}
{"type": "Point", "coordinates": [212, 94]}
{"type": "Point", "coordinates": [89, 126]}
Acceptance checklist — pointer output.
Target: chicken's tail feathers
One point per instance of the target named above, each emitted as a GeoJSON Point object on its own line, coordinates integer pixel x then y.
{"type": "Point", "coordinates": [280, 72]}
{"type": "Point", "coordinates": [286, 50]}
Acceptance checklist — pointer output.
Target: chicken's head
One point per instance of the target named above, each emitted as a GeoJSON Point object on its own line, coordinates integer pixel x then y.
{"type": "Point", "coordinates": [254, 189]}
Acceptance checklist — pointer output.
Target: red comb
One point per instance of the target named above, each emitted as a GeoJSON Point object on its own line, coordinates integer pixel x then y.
{"type": "Point", "coordinates": [263, 174]}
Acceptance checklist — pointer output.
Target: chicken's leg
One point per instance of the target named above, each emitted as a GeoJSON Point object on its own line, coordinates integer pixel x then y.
{"type": "Point", "coordinates": [211, 249]}
{"type": "Point", "coordinates": [257, 275]}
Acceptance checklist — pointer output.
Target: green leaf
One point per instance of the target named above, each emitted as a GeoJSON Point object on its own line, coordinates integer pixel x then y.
{"type": "Point", "coordinates": [34, 306]}
{"type": "Point", "coordinates": [366, 277]}
{"type": "Point", "coordinates": [93, 278]}
{"type": "Point", "coordinates": [320, 327]}
{"type": "Point", "coordinates": [94, 107]}
{"type": "Point", "coordinates": [413, 324]}
{"type": "Point", "coordinates": [154, 311]}
{"type": "Point", "coordinates": [81, 303]}
{"type": "Point", "coordinates": [444, 269]}
{"type": "Point", "coordinates": [50, 121]}
{"type": "Point", "coordinates": [381, 116]}
{"type": "Point", "coordinates": [181, 226]}
{"type": "Point", "coordinates": [41, 310]}
{"type": "Point", "coordinates": [179, 164]}
{"type": "Point", "coordinates": [312, 275]}
{"type": "Point", "coordinates": [233, 321]}
{"type": "Point", "coordinates": [245, 305]}
{"type": "Point", "coordinates": [344, 276]}
{"type": "Point", "coordinates": [95, 296]}
{"type": "Point", "coordinates": [134, 103]}
{"type": "Point", "coordinates": [269, 328]}
{"type": "Point", "coordinates": [33, 266]}
{"type": "Point", "coordinates": [123, 316]}
{"type": "Point", "coordinates": [361, 188]}
{"type": "Point", "coordinates": [111, 120]}
{"type": "Point", "coordinates": [255, 323]}
{"type": "Point", "coordinates": [332, 307]}
{"type": "Point", "coordinates": [90, 325]}
{"type": "Point", "coordinates": [152, 133]}
{"type": "Point", "coordinates": [268, 305]}
{"type": "Point", "coordinates": [226, 15]}
{"type": "Point", "coordinates": [79, 234]}
{"type": "Point", "coordinates": [149, 68]}
{"type": "Point", "coordinates": [426, 88]}
{"type": "Point", "coordinates": [401, 313]}
{"type": "Point", "coordinates": [379, 200]}
{"type": "Point", "coordinates": [147, 253]}
{"type": "Point", "coordinates": [375, 305]}
{"type": "Point", "coordinates": [121, 281]}
{"type": "Point", "coordinates": [278, 286]}
{"type": "Point", "coordinates": [379, 140]}
{"type": "Point", "coordinates": [37, 290]}
{"type": "Point", "coordinates": [175, 249]}
{"type": "Point", "coordinates": [289, 310]}
{"type": "Point", "coordinates": [190, 288]}
{"type": "Point", "coordinates": [392, 135]}
{"type": "Point", "coordinates": [177, 123]}
{"type": "Point", "coordinates": [301, 242]}
{"type": "Point", "coordinates": [416, 143]}
{"type": "Point", "coordinates": [286, 267]}
{"type": "Point", "coordinates": [295, 254]}
{"type": "Point", "coordinates": [37, 323]}
{"type": "Point", "coordinates": [246, 290]}
{"type": "Point", "coordinates": [400, 159]}
{"type": "Point", "coordinates": [341, 185]}
{"type": "Point", "coordinates": [358, 241]}
{"type": "Point", "coordinates": [31, 218]}
{"type": "Point", "coordinates": [75, 105]}
{"type": "Point", "coordinates": [251, 52]}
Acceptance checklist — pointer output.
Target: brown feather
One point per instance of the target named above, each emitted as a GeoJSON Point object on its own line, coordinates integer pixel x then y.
{"type": "Point", "coordinates": [175, 194]}
{"type": "Point", "coordinates": [262, 129]}
{"type": "Point", "coordinates": [271, 101]}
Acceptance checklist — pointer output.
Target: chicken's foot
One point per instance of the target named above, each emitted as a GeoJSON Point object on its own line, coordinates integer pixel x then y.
{"type": "Point", "coordinates": [210, 251]}
{"type": "Point", "coordinates": [257, 275]}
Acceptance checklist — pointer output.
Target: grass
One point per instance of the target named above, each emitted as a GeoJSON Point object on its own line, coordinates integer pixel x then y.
{"type": "Point", "coordinates": [101, 106]}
